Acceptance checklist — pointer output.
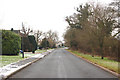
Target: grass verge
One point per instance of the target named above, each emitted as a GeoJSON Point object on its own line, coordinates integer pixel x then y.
{"type": "Point", "coordinates": [5, 60]}
{"type": "Point", "coordinates": [107, 63]}
{"type": "Point", "coordinates": [40, 51]}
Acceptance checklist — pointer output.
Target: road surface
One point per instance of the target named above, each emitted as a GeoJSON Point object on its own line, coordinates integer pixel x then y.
{"type": "Point", "coordinates": [62, 64]}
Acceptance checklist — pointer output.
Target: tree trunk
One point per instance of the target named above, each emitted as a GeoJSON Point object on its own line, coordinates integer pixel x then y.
{"type": "Point", "coordinates": [92, 52]}
{"type": "Point", "coordinates": [101, 47]}
{"type": "Point", "coordinates": [102, 55]}
{"type": "Point", "coordinates": [118, 51]}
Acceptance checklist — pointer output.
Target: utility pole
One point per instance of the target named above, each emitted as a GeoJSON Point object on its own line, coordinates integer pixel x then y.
{"type": "Point", "coordinates": [22, 38]}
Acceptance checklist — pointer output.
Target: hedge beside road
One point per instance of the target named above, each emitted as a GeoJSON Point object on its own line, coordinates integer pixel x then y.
{"type": "Point", "coordinates": [11, 43]}
{"type": "Point", "coordinates": [29, 44]}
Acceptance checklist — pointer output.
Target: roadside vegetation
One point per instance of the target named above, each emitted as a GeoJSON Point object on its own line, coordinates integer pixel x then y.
{"type": "Point", "coordinates": [91, 28]}
{"type": "Point", "coordinates": [29, 41]}
{"type": "Point", "coordinates": [5, 59]}
{"type": "Point", "coordinates": [40, 51]}
{"type": "Point", "coordinates": [11, 43]}
{"type": "Point", "coordinates": [106, 62]}
{"type": "Point", "coordinates": [49, 40]}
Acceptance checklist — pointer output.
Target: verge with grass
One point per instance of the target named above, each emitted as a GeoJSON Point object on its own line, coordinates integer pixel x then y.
{"type": "Point", "coordinates": [9, 59]}
{"type": "Point", "coordinates": [107, 63]}
{"type": "Point", "coordinates": [5, 60]}
{"type": "Point", "coordinates": [40, 51]}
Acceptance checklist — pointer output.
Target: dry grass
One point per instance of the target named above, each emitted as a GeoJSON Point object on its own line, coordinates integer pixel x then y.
{"type": "Point", "coordinates": [107, 63]}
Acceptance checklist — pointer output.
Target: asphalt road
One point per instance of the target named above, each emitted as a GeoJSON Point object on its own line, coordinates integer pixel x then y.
{"type": "Point", "coordinates": [62, 64]}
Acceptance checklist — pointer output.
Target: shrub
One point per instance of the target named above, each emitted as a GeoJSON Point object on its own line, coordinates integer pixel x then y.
{"type": "Point", "coordinates": [33, 43]}
{"type": "Point", "coordinates": [45, 43]}
{"type": "Point", "coordinates": [25, 44]}
{"type": "Point", "coordinates": [11, 43]}
{"type": "Point", "coordinates": [29, 44]}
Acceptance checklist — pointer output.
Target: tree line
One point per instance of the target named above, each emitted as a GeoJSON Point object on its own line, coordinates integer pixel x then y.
{"type": "Point", "coordinates": [47, 39]}
{"type": "Point", "coordinates": [44, 40]}
{"type": "Point", "coordinates": [26, 39]}
{"type": "Point", "coordinates": [91, 30]}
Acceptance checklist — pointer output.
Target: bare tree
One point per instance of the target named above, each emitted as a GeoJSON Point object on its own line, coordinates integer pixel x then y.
{"type": "Point", "coordinates": [25, 31]}
{"type": "Point", "coordinates": [52, 37]}
{"type": "Point", "coordinates": [38, 35]}
{"type": "Point", "coordinates": [90, 27]}
{"type": "Point", "coordinates": [116, 6]}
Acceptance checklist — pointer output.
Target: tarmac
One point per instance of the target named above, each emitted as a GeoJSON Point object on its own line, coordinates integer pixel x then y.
{"type": "Point", "coordinates": [62, 65]}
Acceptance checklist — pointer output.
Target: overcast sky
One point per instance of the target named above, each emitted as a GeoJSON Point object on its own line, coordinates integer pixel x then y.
{"type": "Point", "coordinates": [39, 14]}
